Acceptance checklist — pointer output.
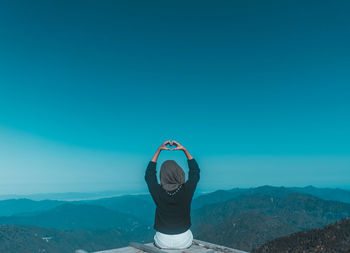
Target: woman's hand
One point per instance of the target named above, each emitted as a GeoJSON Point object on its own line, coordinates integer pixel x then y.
{"type": "Point", "coordinates": [163, 146]}
{"type": "Point", "coordinates": [178, 146]}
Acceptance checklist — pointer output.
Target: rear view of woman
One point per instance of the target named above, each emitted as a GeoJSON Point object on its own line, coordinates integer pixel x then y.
{"type": "Point", "coordinates": [173, 199]}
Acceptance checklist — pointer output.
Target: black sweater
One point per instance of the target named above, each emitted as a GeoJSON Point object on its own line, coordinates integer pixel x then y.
{"type": "Point", "coordinates": [172, 212]}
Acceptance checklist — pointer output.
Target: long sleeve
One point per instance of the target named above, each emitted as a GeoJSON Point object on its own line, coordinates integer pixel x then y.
{"type": "Point", "coordinates": [173, 212]}
{"type": "Point", "coordinates": [193, 174]}
{"type": "Point", "coordinates": [151, 180]}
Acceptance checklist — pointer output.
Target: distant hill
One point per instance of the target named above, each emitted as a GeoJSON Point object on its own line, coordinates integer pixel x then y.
{"type": "Point", "coordinates": [215, 197]}
{"type": "Point", "coordinates": [77, 216]}
{"type": "Point", "coordinates": [140, 206]}
{"type": "Point", "coordinates": [333, 238]}
{"type": "Point", "coordinates": [130, 203]}
{"type": "Point", "coordinates": [66, 196]}
{"type": "Point", "coordinates": [325, 193]}
{"type": "Point", "coordinates": [248, 221]}
{"type": "Point", "coordinates": [238, 218]}
{"type": "Point", "coordinates": [25, 239]}
{"type": "Point", "coordinates": [322, 193]}
{"type": "Point", "coordinates": [22, 206]}
{"type": "Point", "coordinates": [223, 195]}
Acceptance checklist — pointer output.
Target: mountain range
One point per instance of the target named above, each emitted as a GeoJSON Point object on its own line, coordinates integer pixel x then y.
{"type": "Point", "coordinates": [251, 220]}
{"type": "Point", "coordinates": [29, 239]}
{"type": "Point", "coordinates": [131, 203]}
{"type": "Point", "coordinates": [333, 238]}
{"type": "Point", "coordinates": [238, 218]}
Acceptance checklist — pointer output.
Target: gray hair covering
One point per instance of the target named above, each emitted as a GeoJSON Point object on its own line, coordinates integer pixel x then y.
{"type": "Point", "coordinates": [171, 175]}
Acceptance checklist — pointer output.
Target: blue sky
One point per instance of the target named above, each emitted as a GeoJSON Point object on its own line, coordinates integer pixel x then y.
{"type": "Point", "coordinates": [257, 92]}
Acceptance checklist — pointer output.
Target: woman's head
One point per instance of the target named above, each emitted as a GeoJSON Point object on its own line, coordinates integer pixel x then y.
{"type": "Point", "coordinates": [171, 175]}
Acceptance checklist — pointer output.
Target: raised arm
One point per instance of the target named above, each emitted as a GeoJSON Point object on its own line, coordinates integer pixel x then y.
{"type": "Point", "coordinates": [180, 147]}
{"type": "Point", "coordinates": [162, 147]}
{"type": "Point", "coordinates": [151, 172]}
{"type": "Point", "coordinates": [193, 173]}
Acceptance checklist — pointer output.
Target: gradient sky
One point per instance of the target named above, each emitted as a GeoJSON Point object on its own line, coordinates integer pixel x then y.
{"type": "Point", "coordinates": [257, 91]}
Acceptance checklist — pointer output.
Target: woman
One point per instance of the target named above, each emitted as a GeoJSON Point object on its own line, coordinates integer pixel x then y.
{"type": "Point", "coordinates": [172, 198]}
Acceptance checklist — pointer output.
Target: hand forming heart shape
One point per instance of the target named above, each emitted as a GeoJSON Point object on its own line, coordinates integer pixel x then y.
{"type": "Point", "coordinates": [171, 144]}
{"type": "Point", "coordinates": [177, 145]}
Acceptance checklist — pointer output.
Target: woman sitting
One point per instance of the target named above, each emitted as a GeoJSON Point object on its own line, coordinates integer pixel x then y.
{"type": "Point", "coordinates": [172, 198]}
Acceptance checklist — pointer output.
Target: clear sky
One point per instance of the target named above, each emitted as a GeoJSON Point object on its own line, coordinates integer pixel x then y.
{"type": "Point", "coordinates": [257, 91]}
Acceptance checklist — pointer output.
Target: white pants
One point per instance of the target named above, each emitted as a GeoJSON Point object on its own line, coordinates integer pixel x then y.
{"type": "Point", "coordinates": [177, 241]}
